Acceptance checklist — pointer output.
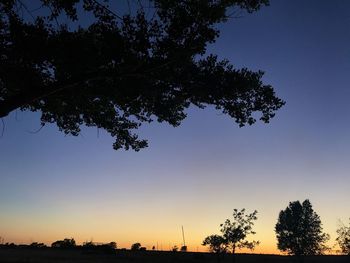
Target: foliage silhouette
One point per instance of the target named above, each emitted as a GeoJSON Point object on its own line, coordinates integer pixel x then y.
{"type": "Point", "coordinates": [112, 245]}
{"type": "Point", "coordinates": [175, 248]}
{"type": "Point", "coordinates": [135, 246]}
{"type": "Point", "coordinates": [343, 238]}
{"type": "Point", "coordinates": [88, 244]}
{"type": "Point", "coordinates": [234, 234]}
{"type": "Point", "coordinates": [37, 245]}
{"type": "Point", "coordinates": [299, 230]}
{"type": "Point", "coordinates": [122, 70]}
{"type": "Point", "coordinates": [216, 243]}
{"type": "Point", "coordinates": [65, 243]}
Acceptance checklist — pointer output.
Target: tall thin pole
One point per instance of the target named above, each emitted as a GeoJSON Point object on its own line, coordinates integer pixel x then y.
{"type": "Point", "coordinates": [183, 235]}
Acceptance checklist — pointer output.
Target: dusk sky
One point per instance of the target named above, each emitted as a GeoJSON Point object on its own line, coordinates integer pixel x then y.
{"type": "Point", "coordinates": [54, 186]}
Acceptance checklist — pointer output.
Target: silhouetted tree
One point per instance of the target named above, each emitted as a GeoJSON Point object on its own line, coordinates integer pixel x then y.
{"type": "Point", "coordinates": [37, 245]}
{"type": "Point", "coordinates": [107, 248]}
{"type": "Point", "coordinates": [117, 71]}
{"type": "Point", "coordinates": [175, 248]}
{"type": "Point", "coordinates": [216, 243]}
{"type": "Point", "coordinates": [88, 244]}
{"type": "Point", "coordinates": [183, 248]}
{"type": "Point", "coordinates": [343, 238]}
{"type": "Point", "coordinates": [299, 230]}
{"type": "Point", "coordinates": [65, 243]}
{"type": "Point", "coordinates": [234, 233]}
{"type": "Point", "coordinates": [135, 246]}
{"type": "Point", "coordinates": [112, 245]}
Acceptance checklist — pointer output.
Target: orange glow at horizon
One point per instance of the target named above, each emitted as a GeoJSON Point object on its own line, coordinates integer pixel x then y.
{"type": "Point", "coordinates": [125, 237]}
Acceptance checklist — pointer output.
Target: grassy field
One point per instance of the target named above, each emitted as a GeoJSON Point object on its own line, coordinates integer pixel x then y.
{"type": "Point", "coordinates": [27, 255]}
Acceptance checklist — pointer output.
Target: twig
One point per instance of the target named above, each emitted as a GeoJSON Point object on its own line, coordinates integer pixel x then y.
{"type": "Point", "coordinates": [107, 9]}
{"type": "Point", "coordinates": [38, 130]}
{"type": "Point", "coordinates": [26, 8]}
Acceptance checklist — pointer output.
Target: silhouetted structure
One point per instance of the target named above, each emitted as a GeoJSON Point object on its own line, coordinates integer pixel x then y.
{"type": "Point", "coordinates": [183, 247]}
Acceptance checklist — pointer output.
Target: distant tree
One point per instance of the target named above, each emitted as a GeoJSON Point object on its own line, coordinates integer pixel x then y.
{"type": "Point", "coordinates": [153, 248]}
{"type": "Point", "coordinates": [299, 230]}
{"type": "Point", "coordinates": [136, 246]}
{"type": "Point", "coordinates": [65, 243]}
{"type": "Point", "coordinates": [112, 245]}
{"type": "Point", "coordinates": [143, 249]}
{"type": "Point", "coordinates": [216, 243]}
{"type": "Point", "coordinates": [234, 234]}
{"type": "Point", "coordinates": [236, 231]}
{"type": "Point", "coordinates": [88, 244]}
{"type": "Point", "coordinates": [343, 238]}
{"type": "Point", "coordinates": [116, 71]}
{"type": "Point", "coordinates": [175, 248]}
{"type": "Point", "coordinates": [37, 245]}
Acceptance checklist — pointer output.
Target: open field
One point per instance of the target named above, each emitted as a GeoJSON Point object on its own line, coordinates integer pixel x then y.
{"type": "Point", "coordinates": [48, 255]}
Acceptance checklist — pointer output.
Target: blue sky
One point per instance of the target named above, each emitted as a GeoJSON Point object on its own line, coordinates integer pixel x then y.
{"type": "Point", "coordinates": [53, 186]}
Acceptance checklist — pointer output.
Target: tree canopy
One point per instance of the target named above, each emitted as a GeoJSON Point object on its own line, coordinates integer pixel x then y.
{"type": "Point", "coordinates": [65, 243]}
{"type": "Point", "coordinates": [117, 70]}
{"type": "Point", "coordinates": [216, 243]}
{"type": "Point", "coordinates": [343, 238]}
{"type": "Point", "coordinates": [136, 246]}
{"type": "Point", "coordinates": [299, 230]}
{"type": "Point", "coordinates": [234, 233]}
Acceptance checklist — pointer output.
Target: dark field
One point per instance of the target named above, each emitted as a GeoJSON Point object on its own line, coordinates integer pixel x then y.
{"type": "Point", "coordinates": [77, 256]}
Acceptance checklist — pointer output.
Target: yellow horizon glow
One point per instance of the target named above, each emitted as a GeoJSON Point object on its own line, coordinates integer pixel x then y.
{"type": "Point", "coordinates": [124, 238]}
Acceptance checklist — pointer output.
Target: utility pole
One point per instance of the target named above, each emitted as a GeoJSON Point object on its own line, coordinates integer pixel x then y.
{"type": "Point", "coordinates": [183, 235]}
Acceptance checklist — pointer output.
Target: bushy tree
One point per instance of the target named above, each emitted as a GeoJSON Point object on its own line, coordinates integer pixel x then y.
{"type": "Point", "coordinates": [65, 243]}
{"type": "Point", "coordinates": [112, 245]}
{"type": "Point", "coordinates": [299, 230]}
{"type": "Point", "coordinates": [116, 71]}
{"type": "Point", "coordinates": [343, 238]}
{"type": "Point", "coordinates": [136, 246]}
{"type": "Point", "coordinates": [37, 245]}
{"type": "Point", "coordinates": [234, 233]}
{"type": "Point", "coordinates": [216, 243]}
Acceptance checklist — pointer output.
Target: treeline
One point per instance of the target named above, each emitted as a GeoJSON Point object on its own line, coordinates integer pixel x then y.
{"type": "Point", "coordinates": [298, 231]}
{"type": "Point", "coordinates": [69, 243]}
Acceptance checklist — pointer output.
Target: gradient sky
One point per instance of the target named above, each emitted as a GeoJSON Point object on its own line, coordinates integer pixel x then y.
{"type": "Point", "coordinates": [54, 186]}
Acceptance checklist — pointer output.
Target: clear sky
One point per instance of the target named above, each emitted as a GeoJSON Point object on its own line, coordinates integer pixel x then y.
{"type": "Point", "coordinates": [54, 186]}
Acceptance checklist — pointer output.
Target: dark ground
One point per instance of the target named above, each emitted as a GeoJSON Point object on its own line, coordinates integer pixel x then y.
{"type": "Point", "coordinates": [48, 255]}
